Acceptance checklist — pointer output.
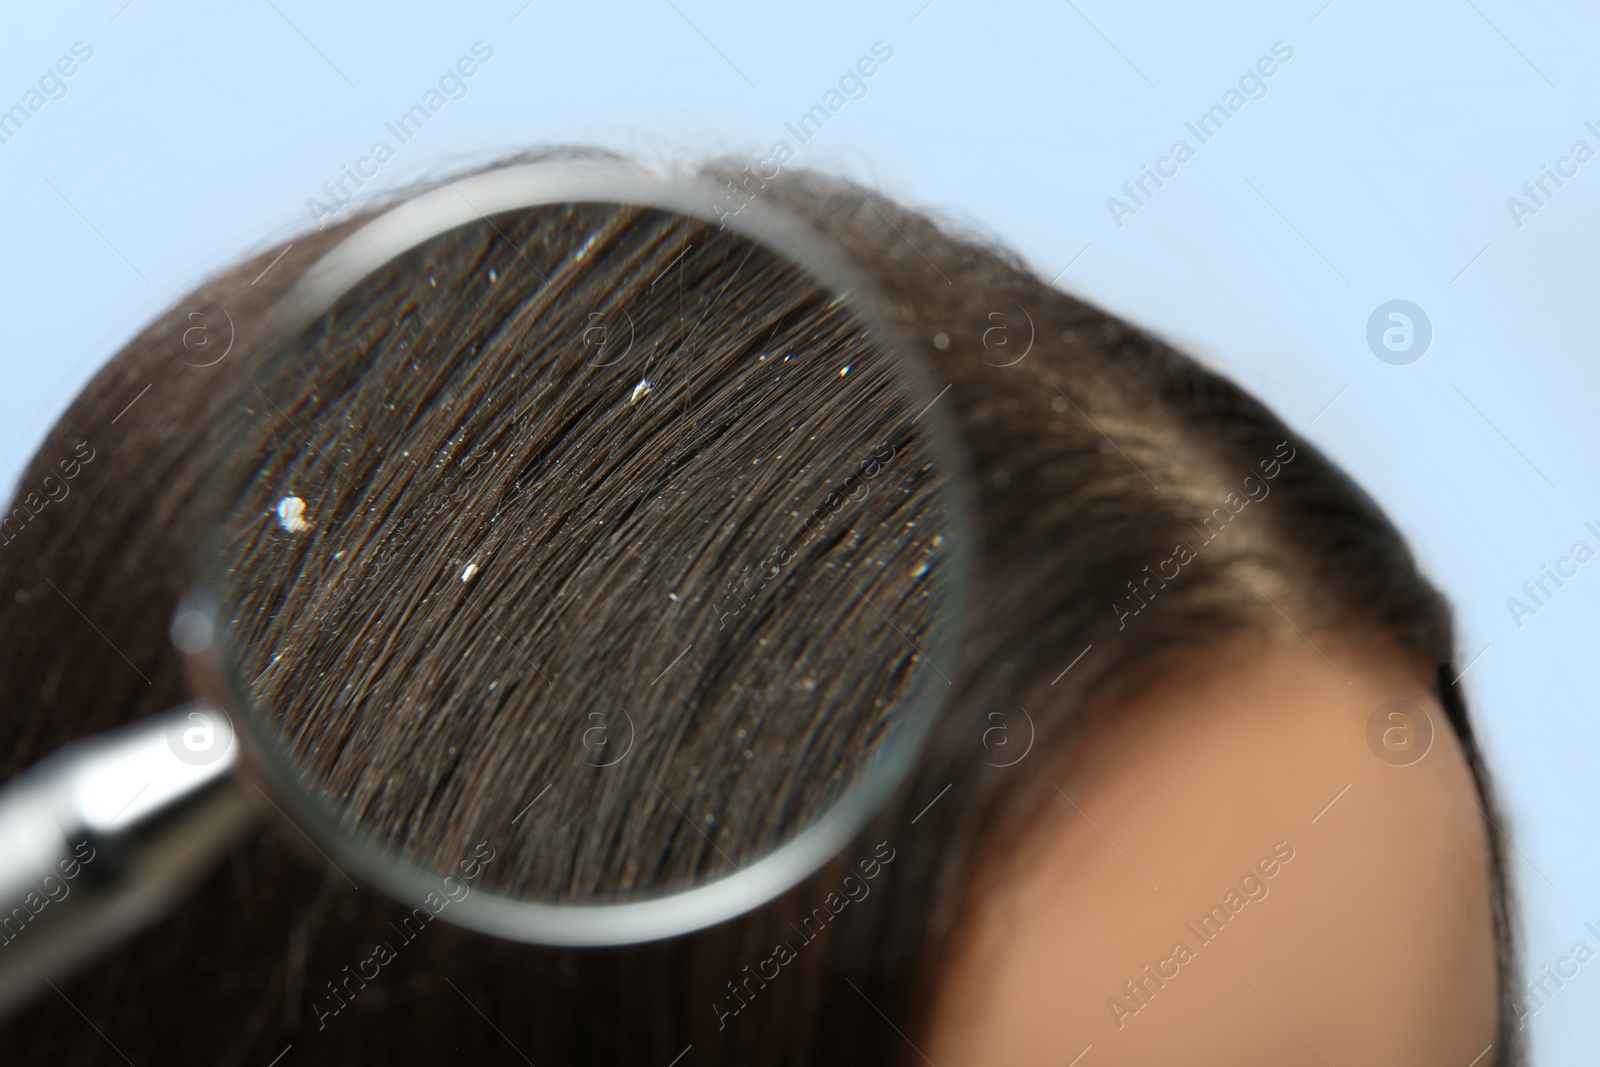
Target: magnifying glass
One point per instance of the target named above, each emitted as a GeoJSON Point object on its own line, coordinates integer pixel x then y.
{"type": "Point", "coordinates": [585, 565]}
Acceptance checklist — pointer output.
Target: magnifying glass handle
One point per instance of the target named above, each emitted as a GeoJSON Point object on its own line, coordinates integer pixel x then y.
{"type": "Point", "coordinates": [104, 835]}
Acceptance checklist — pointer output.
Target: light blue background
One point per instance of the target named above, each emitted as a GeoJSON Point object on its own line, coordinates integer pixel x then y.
{"type": "Point", "coordinates": [1377, 167]}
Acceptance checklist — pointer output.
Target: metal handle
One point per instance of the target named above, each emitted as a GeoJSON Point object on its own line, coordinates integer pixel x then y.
{"type": "Point", "coordinates": [102, 836]}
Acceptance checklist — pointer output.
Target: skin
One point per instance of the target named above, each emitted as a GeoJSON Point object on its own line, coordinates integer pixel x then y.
{"type": "Point", "coordinates": [1373, 946]}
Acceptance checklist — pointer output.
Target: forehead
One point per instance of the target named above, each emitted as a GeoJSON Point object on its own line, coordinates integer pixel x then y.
{"type": "Point", "coordinates": [1241, 863]}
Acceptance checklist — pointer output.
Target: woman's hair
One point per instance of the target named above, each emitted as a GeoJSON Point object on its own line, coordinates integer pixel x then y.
{"type": "Point", "coordinates": [1103, 458]}
{"type": "Point", "coordinates": [722, 542]}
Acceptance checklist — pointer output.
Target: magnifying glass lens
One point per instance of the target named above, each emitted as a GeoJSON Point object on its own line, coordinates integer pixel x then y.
{"type": "Point", "coordinates": [625, 543]}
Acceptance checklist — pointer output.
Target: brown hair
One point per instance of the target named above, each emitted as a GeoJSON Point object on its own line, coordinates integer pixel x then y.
{"type": "Point", "coordinates": [1094, 455]}
{"type": "Point", "coordinates": [488, 539]}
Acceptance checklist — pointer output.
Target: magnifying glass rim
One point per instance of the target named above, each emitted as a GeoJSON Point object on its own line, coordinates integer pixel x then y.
{"type": "Point", "coordinates": [475, 199]}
